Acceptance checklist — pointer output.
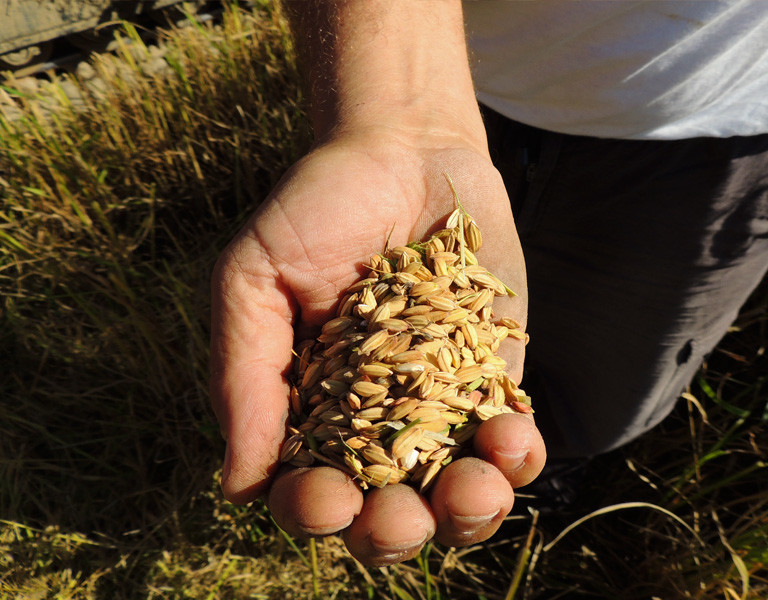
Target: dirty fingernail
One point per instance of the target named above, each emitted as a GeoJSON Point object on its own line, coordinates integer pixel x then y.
{"type": "Point", "coordinates": [393, 549]}
{"type": "Point", "coordinates": [509, 462]}
{"type": "Point", "coordinates": [227, 468]}
{"type": "Point", "coordinates": [327, 529]}
{"type": "Point", "coordinates": [470, 524]}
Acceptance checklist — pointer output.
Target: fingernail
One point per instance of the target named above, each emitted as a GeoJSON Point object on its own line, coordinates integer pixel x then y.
{"type": "Point", "coordinates": [509, 462]}
{"type": "Point", "coordinates": [470, 524]}
{"type": "Point", "coordinates": [227, 468]}
{"type": "Point", "coordinates": [387, 559]}
{"type": "Point", "coordinates": [327, 529]}
{"type": "Point", "coordinates": [392, 550]}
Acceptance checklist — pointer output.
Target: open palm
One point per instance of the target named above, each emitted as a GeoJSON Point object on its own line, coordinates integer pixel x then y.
{"type": "Point", "coordinates": [282, 276]}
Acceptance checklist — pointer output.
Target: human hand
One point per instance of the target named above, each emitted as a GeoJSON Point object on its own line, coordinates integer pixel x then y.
{"type": "Point", "coordinates": [284, 273]}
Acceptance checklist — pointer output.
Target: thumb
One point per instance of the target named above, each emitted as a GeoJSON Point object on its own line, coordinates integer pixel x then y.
{"type": "Point", "coordinates": [251, 340]}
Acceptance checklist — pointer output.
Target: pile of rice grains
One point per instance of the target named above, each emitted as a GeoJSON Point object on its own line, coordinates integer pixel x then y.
{"type": "Point", "coordinates": [398, 382]}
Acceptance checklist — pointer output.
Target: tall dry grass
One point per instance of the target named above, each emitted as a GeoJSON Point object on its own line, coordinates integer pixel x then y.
{"type": "Point", "coordinates": [111, 216]}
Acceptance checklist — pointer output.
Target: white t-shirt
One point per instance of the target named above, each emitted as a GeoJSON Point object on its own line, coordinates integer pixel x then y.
{"type": "Point", "coordinates": [647, 69]}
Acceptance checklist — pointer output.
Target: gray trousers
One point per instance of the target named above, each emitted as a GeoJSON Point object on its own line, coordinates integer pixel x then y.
{"type": "Point", "coordinates": [639, 255]}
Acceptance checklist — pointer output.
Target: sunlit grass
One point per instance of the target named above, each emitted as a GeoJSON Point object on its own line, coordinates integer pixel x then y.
{"type": "Point", "coordinates": [112, 214]}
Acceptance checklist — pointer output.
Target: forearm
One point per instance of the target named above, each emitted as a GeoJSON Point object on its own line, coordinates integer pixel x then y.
{"type": "Point", "coordinates": [387, 63]}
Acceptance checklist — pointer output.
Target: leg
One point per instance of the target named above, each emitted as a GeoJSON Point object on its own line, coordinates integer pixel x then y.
{"type": "Point", "coordinates": [639, 256]}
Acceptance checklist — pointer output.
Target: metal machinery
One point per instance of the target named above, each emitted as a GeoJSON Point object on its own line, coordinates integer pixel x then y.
{"type": "Point", "coordinates": [29, 29]}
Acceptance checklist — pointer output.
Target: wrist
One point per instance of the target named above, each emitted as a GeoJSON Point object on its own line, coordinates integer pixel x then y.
{"type": "Point", "coordinates": [392, 65]}
{"type": "Point", "coordinates": [415, 120]}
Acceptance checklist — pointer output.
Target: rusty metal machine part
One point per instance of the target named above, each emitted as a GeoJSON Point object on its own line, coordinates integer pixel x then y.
{"type": "Point", "coordinates": [29, 28]}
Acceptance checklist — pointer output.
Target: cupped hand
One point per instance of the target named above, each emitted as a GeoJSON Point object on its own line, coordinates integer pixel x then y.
{"type": "Point", "coordinates": [282, 276]}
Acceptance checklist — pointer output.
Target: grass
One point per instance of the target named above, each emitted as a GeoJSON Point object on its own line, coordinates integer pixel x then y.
{"type": "Point", "coordinates": [111, 217]}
